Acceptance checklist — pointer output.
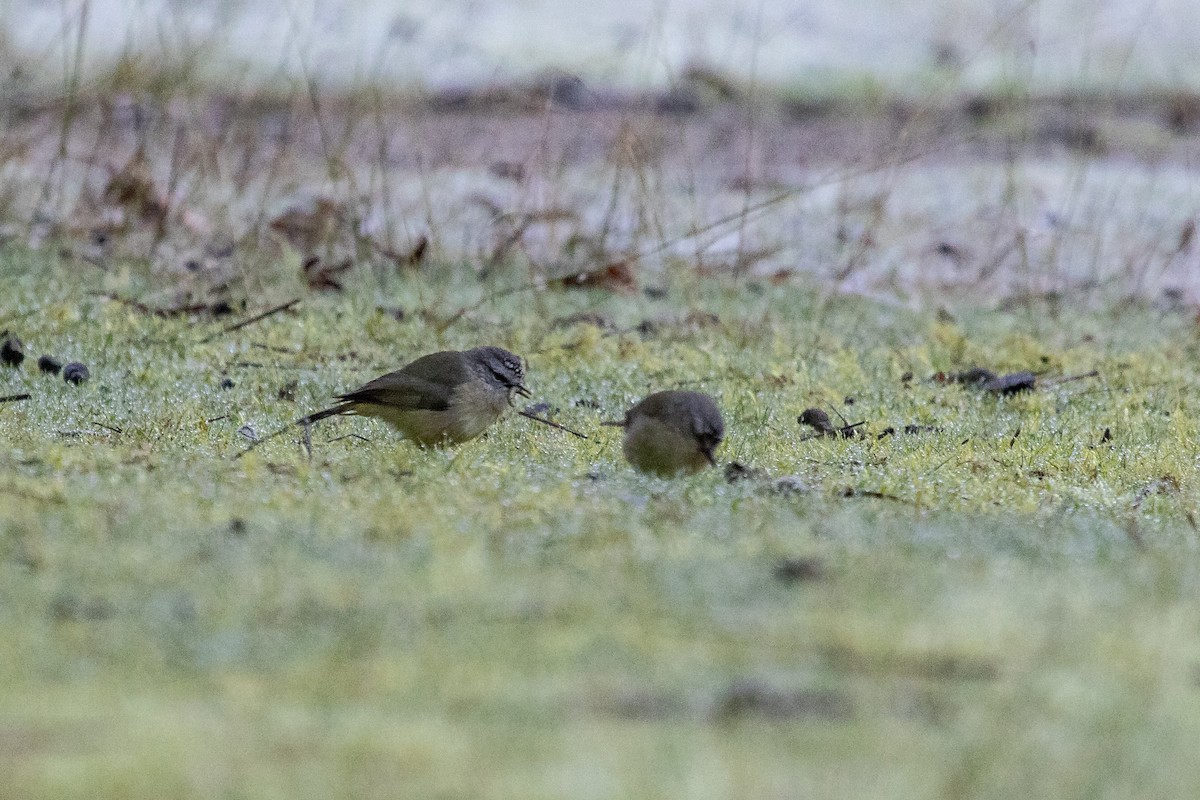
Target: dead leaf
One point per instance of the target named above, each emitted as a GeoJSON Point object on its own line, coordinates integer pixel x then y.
{"type": "Point", "coordinates": [308, 223]}
{"type": "Point", "coordinates": [617, 276]}
{"type": "Point", "coordinates": [323, 277]}
{"type": "Point", "coordinates": [132, 190]}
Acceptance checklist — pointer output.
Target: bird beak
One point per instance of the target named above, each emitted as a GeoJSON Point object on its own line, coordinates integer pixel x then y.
{"type": "Point", "coordinates": [519, 389]}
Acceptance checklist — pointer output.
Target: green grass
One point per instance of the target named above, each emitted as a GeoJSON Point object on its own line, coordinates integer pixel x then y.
{"type": "Point", "coordinates": [1006, 606]}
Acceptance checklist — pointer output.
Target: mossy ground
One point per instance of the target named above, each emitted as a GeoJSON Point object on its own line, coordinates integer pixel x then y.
{"type": "Point", "coordinates": [1001, 607]}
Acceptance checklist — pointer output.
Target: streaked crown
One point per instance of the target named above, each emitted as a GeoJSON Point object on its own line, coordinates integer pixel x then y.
{"type": "Point", "coordinates": [499, 367]}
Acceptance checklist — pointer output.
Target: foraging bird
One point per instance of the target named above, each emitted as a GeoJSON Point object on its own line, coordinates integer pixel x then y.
{"type": "Point", "coordinates": [439, 399]}
{"type": "Point", "coordinates": [672, 432]}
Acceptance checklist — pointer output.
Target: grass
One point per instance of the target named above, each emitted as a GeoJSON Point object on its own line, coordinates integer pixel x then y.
{"type": "Point", "coordinates": [998, 604]}
{"type": "Point", "coordinates": [1000, 607]}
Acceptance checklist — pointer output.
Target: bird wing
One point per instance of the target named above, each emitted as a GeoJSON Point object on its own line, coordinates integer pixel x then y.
{"type": "Point", "coordinates": [402, 390]}
{"type": "Point", "coordinates": [446, 367]}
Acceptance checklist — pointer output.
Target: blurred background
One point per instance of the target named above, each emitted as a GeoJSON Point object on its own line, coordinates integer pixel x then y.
{"type": "Point", "coordinates": [880, 148]}
{"type": "Point", "coordinates": [430, 44]}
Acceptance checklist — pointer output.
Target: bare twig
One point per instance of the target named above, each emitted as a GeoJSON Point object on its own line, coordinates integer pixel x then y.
{"type": "Point", "coordinates": [146, 308]}
{"type": "Point", "coordinates": [256, 318]}
{"type": "Point", "coordinates": [349, 436]}
{"type": "Point", "coordinates": [850, 491]}
{"type": "Point", "coordinates": [1095, 373]}
{"type": "Point", "coordinates": [269, 437]}
{"type": "Point", "coordinates": [544, 421]}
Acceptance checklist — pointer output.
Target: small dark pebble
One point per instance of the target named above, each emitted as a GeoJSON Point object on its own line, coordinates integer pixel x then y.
{"type": "Point", "coordinates": [50, 365]}
{"type": "Point", "coordinates": [818, 419]}
{"type": "Point", "coordinates": [980, 107]}
{"type": "Point", "coordinates": [75, 373]}
{"type": "Point", "coordinates": [797, 570]}
{"type": "Point", "coordinates": [12, 353]}
{"type": "Point", "coordinates": [972, 376]}
{"type": "Point", "coordinates": [848, 400]}
{"type": "Point", "coordinates": [1011, 383]}
{"type": "Point", "coordinates": [221, 308]}
{"type": "Point", "coordinates": [747, 698]}
{"type": "Point", "coordinates": [909, 430]}
{"type": "Point", "coordinates": [227, 384]}
{"type": "Point", "coordinates": [950, 250]}
{"type": "Point", "coordinates": [600, 321]}
{"type": "Point", "coordinates": [237, 526]}
{"type": "Point", "coordinates": [736, 471]}
{"type": "Point", "coordinates": [395, 312]}
{"type": "Point", "coordinates": [73, 608]}
{"type": "Point", "coordinates": [648, 327]}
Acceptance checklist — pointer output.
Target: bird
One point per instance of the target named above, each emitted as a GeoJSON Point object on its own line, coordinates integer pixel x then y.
{"type": "Point", "coordinates": [673, 432]}
{"type": "Point", "coordinates": [440, 399]}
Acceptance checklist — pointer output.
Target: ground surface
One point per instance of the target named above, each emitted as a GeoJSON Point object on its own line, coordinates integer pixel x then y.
{"type": "Point", "coordinates": [977, 594]}
{"type": "Point", "coordinates": [1000, 604]}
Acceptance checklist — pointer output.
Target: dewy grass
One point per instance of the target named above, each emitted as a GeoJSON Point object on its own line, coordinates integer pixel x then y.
{"type": "Point", "coordinates": [1000, 604]}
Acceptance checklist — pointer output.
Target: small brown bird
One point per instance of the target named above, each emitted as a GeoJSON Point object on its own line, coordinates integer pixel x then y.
{"type": "Point", "coordinates": [439, 399]}
{"type": "Point", "coordinates": [672, 432]}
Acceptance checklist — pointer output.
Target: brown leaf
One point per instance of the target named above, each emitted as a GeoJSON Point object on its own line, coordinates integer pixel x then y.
{"type": "Point", "coordinates": [1186, 234]}
{"type": "Point", "coordinates": [323, 277]}
{"type": "Point", "coordinates": [132, 189]}
{"type": "Point", "coordinates": [406, 260]}
{"type": "Point", "coordinates": [616, 276]}
{"type": "Point", "coordinates": [308, 223]}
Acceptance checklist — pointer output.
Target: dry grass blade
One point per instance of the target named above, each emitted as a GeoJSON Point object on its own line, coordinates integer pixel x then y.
{"type": "Point", "coordinates": [551, 423]}
{"type": "Point", "coordinates": [256, 318]}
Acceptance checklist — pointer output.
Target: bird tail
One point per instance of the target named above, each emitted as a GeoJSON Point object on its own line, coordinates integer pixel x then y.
{"type": "Point", "coordinates": [340, 408]}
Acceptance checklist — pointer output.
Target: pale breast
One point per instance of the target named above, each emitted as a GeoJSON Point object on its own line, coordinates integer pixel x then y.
{"type": "Point", "coordinates": [474, 407]}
